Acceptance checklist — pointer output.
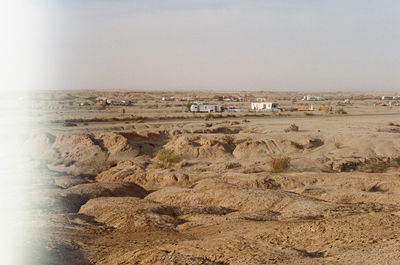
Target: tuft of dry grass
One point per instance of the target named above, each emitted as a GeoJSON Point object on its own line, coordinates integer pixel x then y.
{"type": "Point", "coordinates": [279, 164]}
{"type": "Point", "coordinates": [165, 158]}
{"type": "Point", "coordinates": [292, 128]}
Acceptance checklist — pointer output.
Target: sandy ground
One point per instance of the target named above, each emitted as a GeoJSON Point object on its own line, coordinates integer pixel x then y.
{"type": "Point", "coordinates": [98, 196]}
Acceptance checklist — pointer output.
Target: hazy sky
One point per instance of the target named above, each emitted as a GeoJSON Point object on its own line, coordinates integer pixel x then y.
{"type": "Point", "coordinates": [211, 44]}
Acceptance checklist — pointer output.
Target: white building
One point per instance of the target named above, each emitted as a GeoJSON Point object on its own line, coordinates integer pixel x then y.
{"type": "Point", "coordinates": [205, 108]}
{"type": "Point", "coordinates": [265, 106]}
{"type": "Point", "coordinates": [117, 102]}
{"type": "Point", "coordinates": [390, 97]}
{"type": "Point", "coordinates": [312, 98]}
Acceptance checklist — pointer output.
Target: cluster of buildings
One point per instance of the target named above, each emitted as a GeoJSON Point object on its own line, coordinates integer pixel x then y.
{"type": "Point", "coordinates": [254, 106]}
{"type": "Point", "coordinates": [115, 102]}
{"type": "Point", "coordinates": [217, 98]}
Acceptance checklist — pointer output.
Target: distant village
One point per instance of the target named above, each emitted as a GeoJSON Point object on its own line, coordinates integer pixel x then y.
{"type": "Point", "coordinates": [195, 104]}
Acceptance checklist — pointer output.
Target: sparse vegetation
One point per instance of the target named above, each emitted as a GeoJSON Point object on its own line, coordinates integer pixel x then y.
{"type": "Point", "coordinates": [393, 124]}
{"type": "Point", "coordinates": [379, 164]}
{"type": "Point", "coordinates": [252, 170]}
{"type": "Point", "coordinates": [297, 145]}
{"type": "Point", "coordinates": [101, 107]}
{"type": "Point", "coordinates": [231, 165]}
{"type": "Point", "coordinates": [292, 128]}
{"type": "Point", "coordinates": [308, 114]}
{"type": "Point", "coordinates": [69, 124]}
{"type": "Point", "coordinates": [208, 116]}
{"type": "Point", "coordinates": [371, 188]}
{"type": "Point", "coordinates": [165, 158]}
{"type": "Point", "coordinates": [340, 111]}
{"type": "Point", "coordinates": [229, 139]}
{"type": "Point", "coordinates": [279, 164]}
{"type": "Point", "coordinates": [338, 145]}
{"type": "Point", "coordinates": [188, 105]}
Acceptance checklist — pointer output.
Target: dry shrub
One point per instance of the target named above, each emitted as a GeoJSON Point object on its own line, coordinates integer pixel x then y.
{"type": "Point", "coordinates": [371, 188]}
{"type": "Point", "coordinates": [208, 124]}
{"type": "Point", "coordinates": [208, 116]}
{"type": "Point", "coordinates": [292, 128]}
{"type": "Point", "coordinates": [229, 139]}
{"type": "Point", "coordinates": [69, 124]}
{"type": "Point", "coordinates": [101, 107]}
{"type": "Point", "coordinates": [379, 164]}
{"type": "Point", "coordinates": [232, 165]}
{"type": "Point", "coordinates": [245, 120]}
{"type": "Point", "coordinates": [234, 123]}
{"type": "Point", "coordinates": [340, 111]}
{"type": "Point", "coordinates": [297, 145]}
{"type": "Point", "coordinates": [338, 145]}
{"type": "Point", "coordinates": [252, 170]}
{"type": "Point", "coordinates": [279, 164]}
{"type": "Point", "coordinates": [393, 124]}
{"type": "Point", "coordinates": [308, 114]}
{"type": "Point", "coordinates": [166, 158]}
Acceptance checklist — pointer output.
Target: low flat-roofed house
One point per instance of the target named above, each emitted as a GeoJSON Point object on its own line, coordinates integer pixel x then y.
{"type": "Point", "coordinates": [205, 108]}
{"type": "Point", "coordinates": [113, 102]}
{"type": "Point", "coordinates": [187, 99]}
{"type": "Point", "coordinates": [390, 97]}
{"type": "Point", "coordinates": [167, 98]}
{"type": "Point", "coordinates": [312, 98]}
{"type": "Point", "coordinates": [264, 106]}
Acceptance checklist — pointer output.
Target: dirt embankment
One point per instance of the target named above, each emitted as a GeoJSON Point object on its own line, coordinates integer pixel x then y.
{"type": "Point", "coordinates": [219, 198]}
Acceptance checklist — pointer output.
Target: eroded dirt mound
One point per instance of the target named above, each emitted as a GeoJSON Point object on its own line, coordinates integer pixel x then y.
{"type": "Point", "coordinates": [261, 149]}
{"type": "Point", "coordinates": [130, 213]}
{"type": "Point", "coordinates": [220, 193]}
{"type": "Point", "coordinates": [219, 129]}
{"type": "Point", "coordinates": [149, 178]}
{"type": "Point", "coordinates": [126, 171]}
{"type": "Point", "coordinates": [70, 200]}
{"type": "Point", "coordinates": [200, 147]}
{"type": "Point", "coordinates": [69, 181]}
{"type": "Point", "coordinates": [90, 154]}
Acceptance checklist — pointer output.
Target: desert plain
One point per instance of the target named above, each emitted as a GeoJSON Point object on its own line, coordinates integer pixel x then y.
{"type": "Point", "coordinates": [154, 184]}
